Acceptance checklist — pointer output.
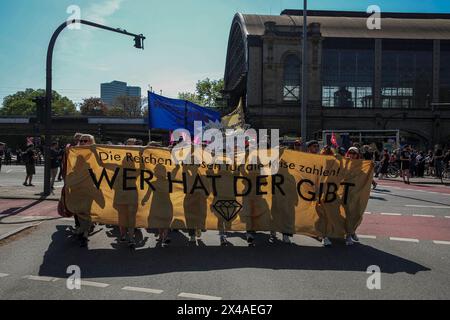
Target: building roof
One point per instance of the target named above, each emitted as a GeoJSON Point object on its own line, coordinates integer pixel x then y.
{"type": "Point", "coordinates": [354, 24]}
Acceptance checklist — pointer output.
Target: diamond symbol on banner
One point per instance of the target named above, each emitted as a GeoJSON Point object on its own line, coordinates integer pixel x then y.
{"type": "Point", "coordinates": [228, 209]}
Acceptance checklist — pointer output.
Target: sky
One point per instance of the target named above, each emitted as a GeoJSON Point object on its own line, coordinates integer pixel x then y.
{"type": "Point", "coordinates": [186, 40]}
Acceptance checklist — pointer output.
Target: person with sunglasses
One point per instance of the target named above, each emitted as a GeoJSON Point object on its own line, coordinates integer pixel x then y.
{"type": "Point", "coordinates": [85, 225]}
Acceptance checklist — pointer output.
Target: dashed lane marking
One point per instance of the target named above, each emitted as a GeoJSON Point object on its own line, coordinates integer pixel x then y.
{"type": "Point", "coordinates": [198, 296]}
{"type": "Point", "coordinates": [432, 207]}
{"type": "Point", "coordinates": [390, 214]}
{"type": "Point", "coordinates": [94, 284]}
{"type": "Point", "coordinates": [144, 290]}
{"type": "Point", "coordinates": [404, 239]}
{"type": "Point", "coordinates": [363, 236]}
{"type": "Point", "coordinates": [441, 242]}
{"type": "Point", "coordinates": [2, 275]}
{"type": "Point", "coordinates": [40, 278]}
{"type": "Point", "coordinates": [424, 215]}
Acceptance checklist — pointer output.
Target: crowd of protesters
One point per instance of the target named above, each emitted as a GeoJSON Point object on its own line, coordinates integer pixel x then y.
{"type": "Point", "coordinates": [407, 160]}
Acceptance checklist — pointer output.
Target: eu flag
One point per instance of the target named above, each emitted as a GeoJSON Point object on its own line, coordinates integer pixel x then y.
{"type": "Point", "coordinates": [171, 114]}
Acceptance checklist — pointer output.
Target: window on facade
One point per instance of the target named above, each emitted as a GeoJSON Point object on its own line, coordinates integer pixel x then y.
{"type": "Point", "coordinates": [444, 90]}
{"type": "Point", "coordinates": [347, 73]}
{"type": "Point", "coordinates": [407, 73]}
{"type": "Point", "coordinates": [291, 79]}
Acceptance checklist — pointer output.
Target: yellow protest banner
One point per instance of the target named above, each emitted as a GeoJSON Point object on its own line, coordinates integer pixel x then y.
{"type": "Point", "coordinates": [144, 187]}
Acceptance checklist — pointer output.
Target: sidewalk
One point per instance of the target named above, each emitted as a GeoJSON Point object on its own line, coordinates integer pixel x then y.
{"type": "Point", "coordinates": [32, 193]}
{"type": "Point", "coordinates": [19, 215]}
{"type": "Point", "coordinates": [426, 180]}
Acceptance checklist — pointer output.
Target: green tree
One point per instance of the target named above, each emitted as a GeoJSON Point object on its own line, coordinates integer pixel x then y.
{"type": "Point", "coordinates": [93, 107]}
{"type": "Point", "coordinates": [192, 97]}
{"type": "Point", "coordinates": [21, 104]}
{"type": "Point", "coordinates": [131, 106]}
{"type": "Point", "coordinates": [207, 93]}
{"type": "Point", "coordinates": [116, 112]}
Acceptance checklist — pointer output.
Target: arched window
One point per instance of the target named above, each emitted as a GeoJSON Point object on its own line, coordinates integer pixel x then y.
{"type": "Point", "coordinates": [292, 78]}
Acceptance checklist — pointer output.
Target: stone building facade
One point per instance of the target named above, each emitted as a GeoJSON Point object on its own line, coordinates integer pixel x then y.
{"type": "Point", "coordinates": [395, 78]}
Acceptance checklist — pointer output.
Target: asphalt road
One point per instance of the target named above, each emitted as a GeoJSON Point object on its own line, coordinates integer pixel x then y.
{"type": "Point", "coordinates": [406, 232]}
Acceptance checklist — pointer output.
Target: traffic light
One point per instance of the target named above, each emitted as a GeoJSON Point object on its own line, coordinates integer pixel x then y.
{"type": "Point", "coordinates": [40, 109]}
{"type": "Point", "coordinates": [139, 42]}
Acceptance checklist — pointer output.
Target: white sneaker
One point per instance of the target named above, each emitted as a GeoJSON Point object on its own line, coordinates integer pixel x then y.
{"type": "Point", "coordinates": [326, 242]}
{"type": "Point", "coordinates": [286, 239]}
{"type": "Point", "coordinates": [348, 241]}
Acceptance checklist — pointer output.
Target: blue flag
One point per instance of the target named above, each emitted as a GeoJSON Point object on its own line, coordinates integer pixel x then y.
{"type": "Point", "coordinates": [171, 114]}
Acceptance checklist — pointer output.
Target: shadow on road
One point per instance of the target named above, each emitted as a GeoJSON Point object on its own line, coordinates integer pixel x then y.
{"type": "Point", "coordinates": [179, 257]}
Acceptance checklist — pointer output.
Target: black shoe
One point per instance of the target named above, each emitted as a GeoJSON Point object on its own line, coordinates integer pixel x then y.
{"type": "Point", "coordinates": [224, 241]}
{"type": "Point", "coordinates": [83, 242]}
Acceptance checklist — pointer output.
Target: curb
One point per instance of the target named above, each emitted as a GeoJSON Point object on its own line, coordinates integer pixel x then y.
{"type": "Point", "coordinates": [26, 198]}
{"type": "Point", "coordinates": [16, 231]}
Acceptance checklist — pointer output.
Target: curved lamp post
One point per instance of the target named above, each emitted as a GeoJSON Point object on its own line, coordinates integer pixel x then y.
{"type": "Point", "coordinates": [138, 43]}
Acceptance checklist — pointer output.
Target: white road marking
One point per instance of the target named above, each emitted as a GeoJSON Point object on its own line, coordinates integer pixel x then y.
{"type": "Point", "coordinates": [363, 236]}
{"type": "Point", "coordinates": [432, 207]}
{"type": "Point", "coordinates": [367, 212]}
{"type": "Point", "coordinates": [441, 242]}
{"type": "Point", "coordinates": [9, 171]}
{"type": "Point", "coordinates": [198, 296]}
{"type": "Point", "coordinates": [145, 290]}
{"type": "Point", "coordinates": [404, 239]}
{"type": "Point", "coordinates": [28, 218]}
{"type": "Point", "coordinates": [390, 214]}
{"type": "Point", "coordinates": [448, 217]}
{"type": "Point", "coordinates": [39, 278]}
{"type": "Point", "coordinates": [2, 275]}
{"type": "Point", "coordinates": [424, 215]}
{"type": "Point", "coordinates": [94, 284]}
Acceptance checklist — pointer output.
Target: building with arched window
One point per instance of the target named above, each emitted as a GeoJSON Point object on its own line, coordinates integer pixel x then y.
{"type": "Point", "coordinates": [394, 78]}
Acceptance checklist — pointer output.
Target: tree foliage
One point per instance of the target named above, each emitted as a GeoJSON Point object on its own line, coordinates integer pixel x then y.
{"type": "Point", "coordinates": [93, 107]}
{"type": "Point", "coordinates": [131, 106]}
{"type": "Point", "coordinates": [207, 93]}
{"type": "Point", "coordinates": [116, 112]}
{"type": "Point", "coordinates": [21, 104]}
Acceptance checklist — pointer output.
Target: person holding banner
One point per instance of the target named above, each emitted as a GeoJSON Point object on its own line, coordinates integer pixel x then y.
{"type": "Point", "coordinates": [85, 196]}
{"type": "Point", "coordinates": [352, 154]}
{"type": "Point", "coordinates": [314, 148]}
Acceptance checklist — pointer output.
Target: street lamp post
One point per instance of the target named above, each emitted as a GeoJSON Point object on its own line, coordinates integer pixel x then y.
{"type": "Point", "coordinates": [138, 43]}
{"type": "Point", "coordinates": [304, 131]}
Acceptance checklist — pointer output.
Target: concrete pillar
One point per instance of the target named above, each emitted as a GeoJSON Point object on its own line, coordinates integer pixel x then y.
{"type": "Point", "coordinates": [436, 69]}
{"type": "Point", "coordinates": [377, 99]}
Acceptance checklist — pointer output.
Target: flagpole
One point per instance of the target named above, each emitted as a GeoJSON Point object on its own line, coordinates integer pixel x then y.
{"type": "Point", "coordinates": [185, 114]}
{"type": "Point", "coordinates": [304, 131]}
{"type": "Point", "coordinates": [149, 119]}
